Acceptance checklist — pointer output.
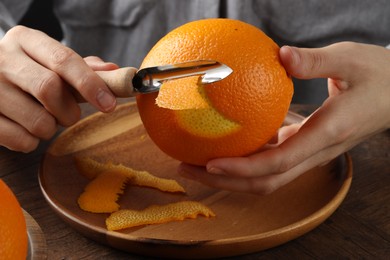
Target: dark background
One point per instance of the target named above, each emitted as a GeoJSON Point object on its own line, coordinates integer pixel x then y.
{"type": "Point", "coordinates": [49, 25]}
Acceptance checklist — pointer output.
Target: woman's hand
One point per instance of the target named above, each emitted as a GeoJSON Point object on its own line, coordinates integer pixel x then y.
{"type": "Point", "coordinates": [358, 107]}
{"type": "Point", "coordinates": [38, 77]}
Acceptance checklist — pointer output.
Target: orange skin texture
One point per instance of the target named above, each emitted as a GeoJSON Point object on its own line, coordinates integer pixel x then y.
{"type": "Point", "coordinates": [256, 95]}
{"type": "Point", "coordinates": [13, 230]}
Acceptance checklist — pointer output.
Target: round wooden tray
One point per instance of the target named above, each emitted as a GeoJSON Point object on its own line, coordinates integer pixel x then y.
{"type": "Point", "coordinates": [244, 223]}
{"type": "Point", "coordinates": [36, 239]}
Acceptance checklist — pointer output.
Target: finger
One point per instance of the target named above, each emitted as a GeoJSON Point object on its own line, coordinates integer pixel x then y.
{"type": "Point", "coordinates": [97, 64]}
{"type": "Point", "coordinates": [15, 137]}
{"type": "Point", "coordinates": [68, 65]}
{"type": "Point", "coordinates": [328, 132]}
{"type": "Point", "coordinates": [251, 166]}
{"type": "Point", "coordinates": [318, 133]}
{"type": "Point", "coordinates": [335, 87]}
{"type": "Point", "coordinates": [286, 132]}
{"type": "Point", "coordinates": [264, 184]}
{"type": "Point", "coordinates": [333, 61]}
{"type": "Point", "coordinates": [259, 185]}
{"type": "Point", "coordinates": [32, 117]}
{"type": "Point", "coordinates": [44, 85]}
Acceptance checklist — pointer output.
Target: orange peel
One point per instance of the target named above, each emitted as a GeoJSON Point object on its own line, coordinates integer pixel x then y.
{"type": "Point", "coordinates": [90, 168]}
{"type": "Point", "coordinates": [101, 194]}
{"type": "Point", "coordinates": [157, 214]}
{"type": "Point", "coordinates": [108, 183]}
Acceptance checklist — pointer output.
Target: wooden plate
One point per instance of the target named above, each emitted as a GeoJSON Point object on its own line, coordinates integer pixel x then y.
{"type": "Point", "coordinates": [36, 239]}
{"type": "Point", "coordinates": [244, 223]}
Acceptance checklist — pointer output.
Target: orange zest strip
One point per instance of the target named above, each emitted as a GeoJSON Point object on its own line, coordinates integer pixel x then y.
{"type": "Point", "coordinates": [91, 168]}
{"type": "Point", "coordinates": [157, 214]}
{"type": "Point", "coordinates": [100, 195]}
{"type": "Point", "coordinates": [145, 179]}
{"type": "Point", "coordinates": [88, 167]}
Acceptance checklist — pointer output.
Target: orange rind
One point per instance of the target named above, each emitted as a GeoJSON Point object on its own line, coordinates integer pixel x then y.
{"type": "Point", "coordinates": [101, 194]}
{"type": "Point", "coordinates": [108, 183]}
{"type": "Point", "coordinates": [157, 214]}
{"type": "Point", "coordinates": [90, 168]}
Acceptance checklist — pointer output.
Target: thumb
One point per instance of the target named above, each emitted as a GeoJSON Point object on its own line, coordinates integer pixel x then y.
{"type": "Point", "coordinates": [305, 63]}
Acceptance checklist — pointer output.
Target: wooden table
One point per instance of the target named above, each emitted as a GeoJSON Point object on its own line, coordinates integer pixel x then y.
{"type": "Point", "coordinates": [360, 228]}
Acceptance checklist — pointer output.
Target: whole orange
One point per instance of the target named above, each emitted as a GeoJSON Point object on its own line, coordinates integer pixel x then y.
{"type": "Point", "coordinates": [245, 109]}
{"type": "Point", "coordinates": [13, 230]}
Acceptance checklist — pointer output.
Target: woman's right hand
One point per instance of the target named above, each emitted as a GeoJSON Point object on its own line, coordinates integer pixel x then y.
{"type": "Point", "coordinates": [38, 77]}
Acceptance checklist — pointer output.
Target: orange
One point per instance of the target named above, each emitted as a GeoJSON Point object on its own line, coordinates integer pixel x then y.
{"type": "Point", "coordinates": [243, 111]}
{"type": "Point", "coordinates": [13, 230]}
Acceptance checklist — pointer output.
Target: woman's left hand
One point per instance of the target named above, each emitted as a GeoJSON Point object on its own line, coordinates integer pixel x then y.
{"type": "Point", "coordinates": [358, 107]}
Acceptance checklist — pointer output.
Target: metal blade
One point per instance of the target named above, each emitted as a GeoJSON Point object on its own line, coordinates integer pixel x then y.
{"type": "Point", "coordinates": [150, 79]}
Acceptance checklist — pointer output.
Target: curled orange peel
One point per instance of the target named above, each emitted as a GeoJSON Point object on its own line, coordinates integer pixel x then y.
{"type": "Point", "coordinates": [157, 214]}
{"type": "Point", "coordinates": [90, 168]}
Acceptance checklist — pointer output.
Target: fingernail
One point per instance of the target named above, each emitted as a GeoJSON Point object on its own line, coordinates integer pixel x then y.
{"type": "Point", "coordinates": [215, 170]}
{"type": "Point", "coordinates": [106, 101]}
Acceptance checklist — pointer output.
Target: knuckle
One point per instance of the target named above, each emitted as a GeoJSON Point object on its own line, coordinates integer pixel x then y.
{"type": "Point", "coordinates": [315, 63]}
{"type": "Point", "coordinates": [46, 87]}
{"type": "Point", "coordinates": [16, 31]}
{"type": "Point", "coordinates": [43, 125]}
{"type": "Point", "coordinates": [60, 55]}
{"type": "Point", "coordinates": [347, 46]}
{"type": "Point", "coordinates": [335, 133]}
{"type": "Point", "coordinates": [287, 163]}
{"type": "Point", "coordinates": [308, 61]}
{"type": "Point", "coordinates": [346, 51]}
{"type": "Point", "coordinates": [281, 161]}
{"type": "Point", "coordinates": [331, 133]}
{"type": "Point", "coordinates": [9, 43]}
{"type": "Point", "coordinates": [83, 82]}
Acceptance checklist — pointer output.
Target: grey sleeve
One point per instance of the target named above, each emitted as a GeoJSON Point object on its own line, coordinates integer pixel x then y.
{"type": "Point", "coordinates": [11, 12]}
{"type": "Point", "coordinates": [6, 20]}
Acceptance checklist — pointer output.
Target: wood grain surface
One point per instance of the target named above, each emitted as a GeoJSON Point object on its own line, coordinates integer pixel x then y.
{"type": "Point", "coordinates": [37, 248]}
{"type": "Point", "coordinates": [244, 223]}
{"type": "Point", "coordinates": [360, 227]}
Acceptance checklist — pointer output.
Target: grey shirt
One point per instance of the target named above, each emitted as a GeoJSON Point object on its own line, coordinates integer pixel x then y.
{"type": "Point", "coordinates": [123, 31]}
